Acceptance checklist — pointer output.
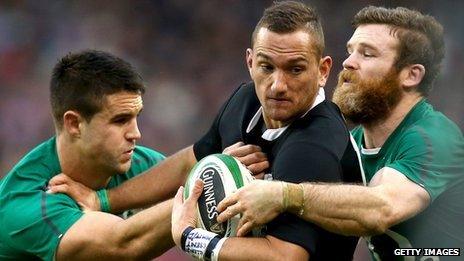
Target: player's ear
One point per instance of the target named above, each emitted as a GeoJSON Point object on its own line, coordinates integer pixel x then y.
{"type": "Point", "coordinates": [72, 122]}
{"type": "Point", "coordinates": [411, 76]}
{"type": "Point", "coordinates": [324, 70]}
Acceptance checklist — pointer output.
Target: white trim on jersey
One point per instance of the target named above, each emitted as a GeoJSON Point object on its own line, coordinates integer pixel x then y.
{"type": "Point", "coordinates": [355, 146]}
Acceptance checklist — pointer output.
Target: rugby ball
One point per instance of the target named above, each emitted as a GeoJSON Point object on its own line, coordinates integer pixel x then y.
{"type": "Point", "coordinates": [222, 175]}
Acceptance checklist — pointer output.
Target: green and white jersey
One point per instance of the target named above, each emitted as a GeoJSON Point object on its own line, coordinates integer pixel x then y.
{"type": "Point", "coordinates": [427, 148]}
{"type": "Point", "coordinates": [32, 221]}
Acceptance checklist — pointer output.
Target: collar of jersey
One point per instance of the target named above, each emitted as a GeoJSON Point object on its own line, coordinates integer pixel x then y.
{"type": "Point", "coordinates": [272, 134]}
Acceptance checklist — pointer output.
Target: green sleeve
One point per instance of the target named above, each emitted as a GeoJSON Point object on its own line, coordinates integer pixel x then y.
{"type": "Point", "coordinates": [34, 221]}
{"type": "Point", "coordinates": [431, 157]}
{"type": "Point", "coordinates": [143, 159]}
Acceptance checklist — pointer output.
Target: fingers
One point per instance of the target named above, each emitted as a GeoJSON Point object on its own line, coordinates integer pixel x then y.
{"type": "Point", "coordinates": [58, 179]}
{"type": "Point", "coordinates": [62, 188]}
{"type": "Point", "coordinates": [233, 147]}
{"type": "Point", "coordinates": [244, 229]}
{"type": "Point", "coordinates": [178, 198]}
{"type": "Point", "coordinates": [259, 176]}
{"type": "Point", "coordinates": [227, 201]}
{"type": "Point", "coordinates": [258, 167]}
{"type": "Point", "coordinates": [239, 149]}
{"type": "Point", "coordinates": [251, 158]}
{"type": "Point", "coordinates": [197, 190]}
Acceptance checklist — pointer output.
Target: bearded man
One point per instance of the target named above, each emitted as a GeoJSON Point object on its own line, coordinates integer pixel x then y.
{"type": "Point", "coordinates": [412, 155]}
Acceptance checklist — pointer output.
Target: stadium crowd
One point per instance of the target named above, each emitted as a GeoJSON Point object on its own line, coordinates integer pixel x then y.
{"type": "Point", "coordinates": [188, 52]}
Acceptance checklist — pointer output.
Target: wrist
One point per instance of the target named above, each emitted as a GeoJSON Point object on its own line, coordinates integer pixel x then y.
{"type": "Point", "coordinates": [103, 200]}
{"type": "Point", "coordinates": [293, 198]}
{"type": "Point", "coordinates": [201, 244]}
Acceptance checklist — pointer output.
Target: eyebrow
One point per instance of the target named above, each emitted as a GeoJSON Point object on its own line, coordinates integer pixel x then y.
{"type": "Point", "coordinates": [125, 114]}
{"type": "Point", "coordinates": [294, 60]}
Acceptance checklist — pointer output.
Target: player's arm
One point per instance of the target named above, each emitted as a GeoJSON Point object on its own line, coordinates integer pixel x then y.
{"type": "Point", "coordinates": [98, 235]}
{"type": "Point", "coordinates": [156, 184]}
{"type": "Point", "coordinates": [267, 248]}
{"type": "Point", "coordinates": [389, 199]}
{"type": "Point", "coordinates": [346, 209]}
{"type": "Point", "coordinates": [199, 242]}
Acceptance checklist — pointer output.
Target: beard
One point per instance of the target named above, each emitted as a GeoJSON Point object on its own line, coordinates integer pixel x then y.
{"type": "Point", "coordinates": [367, 101]}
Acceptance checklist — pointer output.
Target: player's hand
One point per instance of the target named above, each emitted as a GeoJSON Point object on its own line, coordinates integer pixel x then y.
{"type": "Point", "coordinates": [85, 197]}
{"type": "Point", "coordinates": [259, 202]}
{"type": "Point", "coordinates": [184, 213]}
{"type": "Point", "coordinates": [251, 156]}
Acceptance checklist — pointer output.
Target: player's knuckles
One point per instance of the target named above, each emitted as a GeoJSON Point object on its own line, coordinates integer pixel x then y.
{"type": "Point", "coordinates": [248, 149]}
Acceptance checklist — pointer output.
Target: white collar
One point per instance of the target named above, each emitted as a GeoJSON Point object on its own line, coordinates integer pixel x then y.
{"type": "Point", "coordinates": [373, 151]}
{"type": "Point", "coordinates": [272, 134]}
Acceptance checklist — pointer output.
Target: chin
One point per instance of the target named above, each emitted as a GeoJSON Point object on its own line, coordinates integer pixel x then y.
{"type": "Point", "coordinates": [123, 168]}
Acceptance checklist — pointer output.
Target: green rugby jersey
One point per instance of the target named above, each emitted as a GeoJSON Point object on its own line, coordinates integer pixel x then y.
{"type": "Point", "coordinates": [428, 148]}
{"type": "Point", "coordinates": [32, 221]}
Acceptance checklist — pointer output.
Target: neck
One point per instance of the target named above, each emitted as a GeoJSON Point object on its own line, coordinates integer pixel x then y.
{"type": "Point", "coordinates": [272, 124]}
{"type": "Point", "coordinates": [376, 133]}
{"type": "Point", "coordinates": [77, 166]}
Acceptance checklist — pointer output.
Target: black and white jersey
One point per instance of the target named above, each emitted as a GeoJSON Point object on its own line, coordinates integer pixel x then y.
{"type": "Point", "coordinates": [313, 148]}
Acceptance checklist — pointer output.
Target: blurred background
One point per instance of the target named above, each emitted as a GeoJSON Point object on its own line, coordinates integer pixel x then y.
{"type": "Point", "coordinates": [191, 55]}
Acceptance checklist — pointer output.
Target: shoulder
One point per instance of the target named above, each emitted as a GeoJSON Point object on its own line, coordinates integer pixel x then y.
{"type": "Point", "coordinates": [39, 217]}
{"type": "Point", "coordinates": [322, 127]}
{"type": "Point", "coordinates": [434, 133]}
{"type": "Point", "coordinates": [41, 161]}
{"type": "Point", "coordinates": [243, 96]}
{"type": "Point", "coordinates": [142, 152]}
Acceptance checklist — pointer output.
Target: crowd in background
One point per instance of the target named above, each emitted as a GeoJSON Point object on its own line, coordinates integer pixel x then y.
{"type": "Point", "coordinates": [191, 55]}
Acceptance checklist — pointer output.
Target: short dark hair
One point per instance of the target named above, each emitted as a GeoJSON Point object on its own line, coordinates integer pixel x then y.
{"type": "Point", "coordinates": [420, 38]}
{"type": "Point", "coordinates": [81, 81]}
{"type": "Point", "coordinates": [290, 16]}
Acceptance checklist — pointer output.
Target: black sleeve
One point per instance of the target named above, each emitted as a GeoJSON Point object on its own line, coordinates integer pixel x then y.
{"type": "Point", "coordinates": [211, 142]}
{"type": "Point", "coordinates": [298, 162]}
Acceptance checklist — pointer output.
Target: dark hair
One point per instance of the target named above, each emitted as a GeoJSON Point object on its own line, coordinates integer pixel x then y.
{"type": "Point", "coordinates": [290, 16]}
{"type": "Point", "coordinates": [80, 81]}
{"type": "Point", "coordinates": [420, 38]}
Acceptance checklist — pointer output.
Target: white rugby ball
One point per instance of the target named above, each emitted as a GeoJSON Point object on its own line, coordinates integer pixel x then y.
{"type": "Point", "coordinates": [222, 175]}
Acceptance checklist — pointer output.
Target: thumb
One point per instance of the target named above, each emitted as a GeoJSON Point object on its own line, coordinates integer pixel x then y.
{"type": "Point", "coordinates": [83, 207]}
{"type": "Point", "coordinates": [196, 192]}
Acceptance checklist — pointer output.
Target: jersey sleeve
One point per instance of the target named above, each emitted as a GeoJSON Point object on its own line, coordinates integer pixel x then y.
{"type": "Point", "coordinates": [302, 161]}
{"type": "Point", "coordinates": [35, 221]}
{"type": "Point", "coordinates": [434, 161]}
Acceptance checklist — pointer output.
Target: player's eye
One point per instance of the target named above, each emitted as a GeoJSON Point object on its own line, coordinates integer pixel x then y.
{"type": "Point", "coordinates": [297, 70]}
{"type": "Point", "coordinates": [267, 68]}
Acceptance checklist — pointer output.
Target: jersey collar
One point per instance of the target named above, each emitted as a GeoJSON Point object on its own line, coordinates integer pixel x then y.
{"type": "Point", "coordinates": [272, 134]}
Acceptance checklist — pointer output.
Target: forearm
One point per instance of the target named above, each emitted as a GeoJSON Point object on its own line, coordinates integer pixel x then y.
{"type": "Point", "coordinates": [198, 241]}
{"type": "Point", "coordinates": [156, 184]}
{"type": "Point", "coordinates": [98, 235]}
{"type": "Point", "coordinates": [345, 209]}
{"type": "Point", "coordinates": [250, 249]}
{"type": "Point", "coordinates": [148, 233]}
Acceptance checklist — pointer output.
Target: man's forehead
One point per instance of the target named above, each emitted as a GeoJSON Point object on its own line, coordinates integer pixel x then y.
{"type": "Point", "coordinates": [123, 101]}
{"type": "Point", "coordinates": [373, 35]}
{"type": "Point", "coordinates": [295, 45]}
